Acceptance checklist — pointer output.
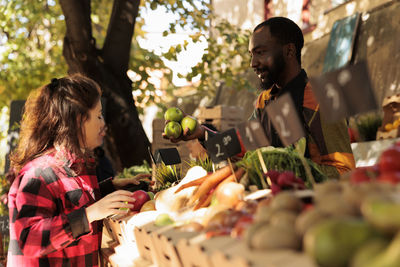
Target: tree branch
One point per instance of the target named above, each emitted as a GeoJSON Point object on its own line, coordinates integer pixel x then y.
{"type": "Point", "coordinates": [117, 45]}
{"type": "Point", "coordinates": [79, 25]}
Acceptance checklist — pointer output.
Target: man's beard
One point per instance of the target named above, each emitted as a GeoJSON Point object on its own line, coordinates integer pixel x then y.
{"type": "Point", "coordinates": [266, 83]}
{"type": "Point", "coordinates": [274, 73]}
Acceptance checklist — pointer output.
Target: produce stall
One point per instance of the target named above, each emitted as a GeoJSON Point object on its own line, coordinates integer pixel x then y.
{"type": "Point", "coordinates": [239, 215]}
{"type": "Point", "coordinates": [266, 207]}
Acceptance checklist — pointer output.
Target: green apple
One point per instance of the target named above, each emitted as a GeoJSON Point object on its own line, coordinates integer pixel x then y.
{"type": "Point", "coordinates": [189, 122]}
{"type": "Point", "coordinates": [163, 220]}
{"type": "Point", "coordinates": [173, 114]}
{"type": "Point", "coordinates": [124, 209]}
{"type": "Point", "coordinates": [173, 129]}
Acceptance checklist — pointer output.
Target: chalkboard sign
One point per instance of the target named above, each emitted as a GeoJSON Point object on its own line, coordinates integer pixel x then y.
{"type": "Point", "coordinates": [285, 119]}
{"type": "Point", "coordinates": [4, 224]}
{"type": "Point", "coordinates": [252, 135]}
{"type": "Point", "coordinates": [170, 156]}
{"type": "Point", "coordinates": [344, 92]}
{"type": "Point", "coordinates": [341, 43]}
{"type": "Point", "coordinates": [223, 146]}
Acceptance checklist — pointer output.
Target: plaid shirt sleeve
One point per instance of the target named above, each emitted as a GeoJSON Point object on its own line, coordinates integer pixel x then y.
{"type": "Point", "coordinates": [37, 223]}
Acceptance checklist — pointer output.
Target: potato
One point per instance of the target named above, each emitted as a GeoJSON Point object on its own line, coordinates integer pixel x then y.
{"type": "Point", "coordinates": [286, 201]}
{"type": "Point", "coordinates": [308, 219]}
{"type": "Point", "coordinates": [275, 237]}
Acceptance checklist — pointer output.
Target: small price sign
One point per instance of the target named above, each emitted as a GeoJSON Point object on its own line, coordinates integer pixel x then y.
{"type": "Point", "coordinates": [344, 92]}
{"type": "Point", "coordinates": [4, 225]}
{"type": "Point", "coordinates": [252, 135]}
{"type": "Point", "coordinates": [170, 156]}
{"type": "Point", "coordinates": [223, 146]}
{"type": "Point", "coordinates": [285, 119]}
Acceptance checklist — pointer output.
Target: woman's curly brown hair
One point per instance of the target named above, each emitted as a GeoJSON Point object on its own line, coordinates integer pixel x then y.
{"type": "Point", "coordinates": [54, 115]}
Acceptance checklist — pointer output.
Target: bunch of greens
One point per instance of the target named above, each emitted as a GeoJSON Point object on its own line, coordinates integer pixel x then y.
{"type": "Point", "coordinates": [166, 176]}
{"type": "Point", "coordinates": [278, 159]}
{"type": "Point", "coordinates": [368, 125]}
{"type": "Point", "coordinates": [134, 170]}
{"type": "Point", "coordinates": [206, 163]}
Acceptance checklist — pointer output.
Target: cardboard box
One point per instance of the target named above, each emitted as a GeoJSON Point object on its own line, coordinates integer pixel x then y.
{"type": "Point", "coordinates": [221, 112]}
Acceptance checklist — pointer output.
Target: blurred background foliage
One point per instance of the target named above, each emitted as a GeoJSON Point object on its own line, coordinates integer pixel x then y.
{"type": "Point", "coordinates": [31, 39]}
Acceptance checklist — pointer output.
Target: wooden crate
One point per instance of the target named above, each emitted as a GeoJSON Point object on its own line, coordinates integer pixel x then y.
{"type": "Point", "coordinates": [240, 255]}
{"type": "Point", "coordinates": [116, 228]}
{"type": "Point", "coordinates": [158, 125]}
{"type": "Point", "coordinates": [388, 135]}
{"type": "Point", "coordinates": [221, 112]}
{"type": "Point", "coordinates": [197, 251]}
{"type": "Point", "coordinates": [113, 228]}
{"type": "Point", "coordinates": [165, 241]}
{"type": "Point", "coordinates": [144, 244]}
{"type": "Point", "coordinates": [105, 257]}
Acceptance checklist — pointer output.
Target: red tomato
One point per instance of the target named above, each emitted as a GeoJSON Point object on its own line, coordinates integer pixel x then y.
{"type": "Point", "coordinates": [390, 177]}
{"type": "Point", "coordinates": [390, 159]}
{"type": "Point", "coordinates": [359, 175]}
{"type": "Point", "coordinates": [352, 135]}
{"type": "Point", "coordinates": [241, 225]}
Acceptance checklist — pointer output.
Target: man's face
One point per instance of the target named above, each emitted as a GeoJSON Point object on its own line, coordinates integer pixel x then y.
{"type": "Point", "coordinates": [266, 57]}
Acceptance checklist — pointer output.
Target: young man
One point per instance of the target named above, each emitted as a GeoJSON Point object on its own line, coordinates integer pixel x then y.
{"type": "Point", "coordinates": [275, 49]}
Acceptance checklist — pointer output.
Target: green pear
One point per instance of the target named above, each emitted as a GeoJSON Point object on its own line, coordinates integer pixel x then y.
{"type": "Point", "coordinates": [390, 257]}
{"type": "Point", "coordinates": [190, 123]}
{"type": "Point", "coordinates": [173, 114]}
{"type": "Point", "coordinates": [173, 129]}
{"type": "Point", "coordinates": [383, 213]}
{"type": "Point", "coordinates": [333, 242]}
{"type": "Point", "coordinates": [368, 252]}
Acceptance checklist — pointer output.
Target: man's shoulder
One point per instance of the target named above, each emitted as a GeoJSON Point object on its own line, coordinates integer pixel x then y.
{"type": "Point", "coordinates": [309, 100]}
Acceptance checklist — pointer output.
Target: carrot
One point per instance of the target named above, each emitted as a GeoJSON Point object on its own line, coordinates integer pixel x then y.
{"type": "Point", "coordinates": [210, 182]}
{"type": "Point", "coordinates": [196, 182]}
{"type": "Point", "coordinates": [231, 178]}
{"type": "Point", "coordinates": [204, 201]}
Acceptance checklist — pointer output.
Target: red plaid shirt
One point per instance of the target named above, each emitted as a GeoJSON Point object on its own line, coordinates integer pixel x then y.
{"type": "Point", "coordinates": [48, 223]}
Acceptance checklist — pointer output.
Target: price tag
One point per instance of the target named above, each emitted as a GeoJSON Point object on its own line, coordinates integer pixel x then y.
{"type": "Point", "coordinates": [4, 224]}
{"type": "Point", "coordinates": [223, 145]}
{"type": "Point", "coordinates": [252, 135]}
{"type": "Point", "coordinates": [344, 92]}
{"type": "Point", "coordinates": [170, 156]}
{"type": "Point", "coordinates": [285, 119]}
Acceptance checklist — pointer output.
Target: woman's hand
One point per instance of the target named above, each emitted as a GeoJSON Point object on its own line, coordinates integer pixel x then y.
{"type": "Point", "coordinates": [119, 183]}
{"type": "Point", "coordinates": [110, 205]}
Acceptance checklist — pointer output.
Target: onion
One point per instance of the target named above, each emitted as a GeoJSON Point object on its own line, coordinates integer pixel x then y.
{"type": "Point", "coordinates": [230, 194]}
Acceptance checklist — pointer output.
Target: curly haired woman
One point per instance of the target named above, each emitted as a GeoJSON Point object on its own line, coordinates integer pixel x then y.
{"type": "Point", "coordinates": [55, 200]}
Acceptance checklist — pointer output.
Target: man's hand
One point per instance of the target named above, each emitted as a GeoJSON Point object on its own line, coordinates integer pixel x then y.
{"type": "Point", "coordinates": [198, 133]}
{"type": "Point", "coordinates": [120, 183]}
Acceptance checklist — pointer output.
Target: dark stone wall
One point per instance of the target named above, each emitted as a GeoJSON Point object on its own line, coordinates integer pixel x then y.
{"type": "Point", "coordinates": [378, 43]}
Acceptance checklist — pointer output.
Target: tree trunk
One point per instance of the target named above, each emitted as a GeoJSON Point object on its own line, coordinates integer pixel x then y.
{"type": "Point", "coordinates": [126, 141]}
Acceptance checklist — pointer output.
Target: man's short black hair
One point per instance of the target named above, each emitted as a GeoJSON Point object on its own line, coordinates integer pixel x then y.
{"type": "Point", "coordinates": [286, 31]}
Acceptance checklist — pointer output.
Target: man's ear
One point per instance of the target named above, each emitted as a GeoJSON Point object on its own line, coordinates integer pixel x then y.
{"type": "Point", "coordinates": [290, 50]}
